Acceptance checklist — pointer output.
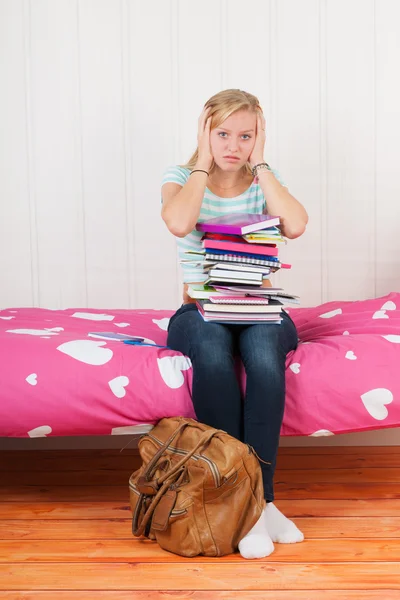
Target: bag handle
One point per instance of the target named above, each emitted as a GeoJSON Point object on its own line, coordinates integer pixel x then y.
{"type": "Point", "coordinates": [166, 480]}
{"type": "Point", "coordinates": [155, 458]}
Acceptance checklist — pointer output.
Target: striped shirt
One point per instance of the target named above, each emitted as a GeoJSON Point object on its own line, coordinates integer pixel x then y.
{"type": "Point", "coordinates": [251, 201]}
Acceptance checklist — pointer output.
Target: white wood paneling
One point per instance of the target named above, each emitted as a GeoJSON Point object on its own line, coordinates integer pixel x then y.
{"type": "Point", "coordinates": [17, 237]}
{"type": "Point", "coordinates": [103, 152]}
{"type": "Point", "coordinates": [387, 95]}
{"type": "Point", "coordinates": [350, 227]}
{"type": "Point", "coordinates": [99, 97]}
{"type": "Point", "coordinates": [298, 124]}
{"type": "Point", "coordinates": [54, 105]}
{"type": "Point", "coordinates": [150, 109]}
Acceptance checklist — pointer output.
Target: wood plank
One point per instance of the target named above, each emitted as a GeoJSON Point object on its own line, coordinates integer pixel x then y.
{"type": "Point", "coordinates": [114, 510]}
{"type": "Point", "coordinates": [339, 475]}
{"type": "Point", "coordinates": [121, 493]}
{"type": "Point", "coordinates": [282, 451]}
{"type": "Point", "coordinates": [199, 595]}
{"type": "Point", "coordinates": [244, 575]}
{"type": "Point", "coordinates": [328, 450]}
{"type": "Point", "coordinates": [112, 477]}
{"type": "Point", "coordinates": [49, 462]}
{"type": "Point", "coordinates": [68, 453]}
{"type": "Point", "coordinates": [337, 461]}
{"type": "Point", "coordinates": [340, 491]}
{"type": "Point", "coordinates": [127, 550]}
{"type": "Point", "coordinates": [98, 529]}
{"type": "Point", "coordinates": [316, 527]}
{"type": "Point", "coordinates": [53, 462]}
{"type": "Point", "coordinates": [91, 493]}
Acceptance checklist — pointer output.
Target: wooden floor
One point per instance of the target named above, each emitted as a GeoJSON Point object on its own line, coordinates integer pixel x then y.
{"type": "Point", "coordinates": [65, 532]}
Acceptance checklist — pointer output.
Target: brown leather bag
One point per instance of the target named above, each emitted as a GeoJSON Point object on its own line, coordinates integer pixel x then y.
{"type": "Point", "coordinates": [198, 491]}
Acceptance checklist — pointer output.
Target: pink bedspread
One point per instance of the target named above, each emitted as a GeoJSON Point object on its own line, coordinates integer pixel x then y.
{"type": "Point", "coordinates": [57, 380]}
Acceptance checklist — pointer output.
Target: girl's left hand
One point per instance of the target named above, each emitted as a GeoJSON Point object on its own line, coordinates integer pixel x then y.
{"type": "Point", "coordinates": [257, 155]}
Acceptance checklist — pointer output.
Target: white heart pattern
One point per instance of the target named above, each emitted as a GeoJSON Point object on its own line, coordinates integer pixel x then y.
{"type": "Point", "coordinates": [162, 323]}
{"type": "Point", "coordinates": [171, 368]}
{"type": "Point", "coordinates": [32, 379]}
{"type": "Point", "coordinates": [389, 305]}
{"type": "Point", "coordinates": [87, 351]}
{"type": "Point", "coordinates": [346, 332]}
{"type": "Point", "coordinates": [395, 339]}
{"type": "Point", "coordinates": [321, 433]}
{"type": "Point", "coordinates": [54, 329]}
{"type": "Point", "coordinates": [40, 332]}
{"type": "Point", "coordinates": [350, 355]}
{"type": "Point", "coordinates": [122, 324]}
{"type": "Point", "coordinates": [41, 431]}
{"type": "Point", "coordinates": [93, 316]}
{"type": "Point", "coordinates": [380, 314]}
{"type": "Point", "coordinates": [295, 367]}
{"type": "Point", "coordinates": [331, 313]}
{"type": "Point", "coordinates": [7, 318]}
{"type": "Point", "coordinates": [118, 385]}
{"type": "Point", "coordinates": [375, 400]}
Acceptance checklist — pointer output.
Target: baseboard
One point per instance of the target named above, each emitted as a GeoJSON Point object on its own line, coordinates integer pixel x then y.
{"type": "Point", "coordinates": [382, 437]}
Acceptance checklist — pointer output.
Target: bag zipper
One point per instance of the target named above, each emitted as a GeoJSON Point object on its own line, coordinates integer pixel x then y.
{"type": "Point", "coordinates": [211, 464]}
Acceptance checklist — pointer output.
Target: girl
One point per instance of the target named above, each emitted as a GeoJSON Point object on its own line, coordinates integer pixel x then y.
{"type": "Point", "coordinates": [220, 178]}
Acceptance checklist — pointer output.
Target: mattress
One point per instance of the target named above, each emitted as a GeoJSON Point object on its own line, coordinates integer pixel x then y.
{"type": "Point", "coordinates": [60, 376]}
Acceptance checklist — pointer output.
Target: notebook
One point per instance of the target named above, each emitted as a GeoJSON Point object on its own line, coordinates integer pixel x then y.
{"type": "Point", "coordinates": [118, 337]}
{"type": "Point", "coordinates": [242, 259]}
{"type": "Point", "coordinates": [242, 247]}
{"type": "Point", "coordinates": [229, 274]}
{"type": "Point", "coordinates": [240, 267]}
{"type": "Point", "coordinates": [238, 223]}
{"type": "Point", "coordinates": [209, 308]}
{"type": "Point", "coordinates": [237, 300]}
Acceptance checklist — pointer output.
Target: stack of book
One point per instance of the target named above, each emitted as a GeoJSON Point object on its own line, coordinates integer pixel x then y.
{"type": "Point", "coordinates": [239, 252]}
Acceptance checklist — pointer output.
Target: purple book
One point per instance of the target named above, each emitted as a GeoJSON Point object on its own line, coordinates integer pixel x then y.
{"type": "Point", "coordinates": [238, 223]}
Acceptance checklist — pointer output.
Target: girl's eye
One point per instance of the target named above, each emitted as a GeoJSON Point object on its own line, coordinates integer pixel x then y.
{"type": "Point", "coordinates": [244, 135]}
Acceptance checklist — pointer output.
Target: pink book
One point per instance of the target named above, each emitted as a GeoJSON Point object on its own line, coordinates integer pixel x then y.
{"type": "Point", "coordinates": [237, 247]}
{"type": "Point", "coordinates": [238, 223]}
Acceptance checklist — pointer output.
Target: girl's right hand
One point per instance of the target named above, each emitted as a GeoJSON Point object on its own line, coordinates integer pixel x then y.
{"type": "Point", "coordinates": [205, 157]}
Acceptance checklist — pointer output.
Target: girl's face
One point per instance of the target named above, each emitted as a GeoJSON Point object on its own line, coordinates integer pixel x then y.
{"type": "Point", "coordinates": [235, 137]}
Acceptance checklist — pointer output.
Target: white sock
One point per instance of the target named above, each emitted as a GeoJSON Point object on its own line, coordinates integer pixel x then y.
{"type": "Point", "coordinates": [257, 543]}
{"type": "Point", "coordinates": [280, 528]}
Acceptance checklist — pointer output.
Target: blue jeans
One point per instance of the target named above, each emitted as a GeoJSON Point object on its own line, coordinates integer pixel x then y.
{"type": "Point", "coordinates": [257, 419]}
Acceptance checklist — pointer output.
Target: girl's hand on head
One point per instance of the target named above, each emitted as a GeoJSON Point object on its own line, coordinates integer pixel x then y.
{"type": "Point", "coordinates": [205, 158]}
{"type": "Point", "coordinates": [257, 155]}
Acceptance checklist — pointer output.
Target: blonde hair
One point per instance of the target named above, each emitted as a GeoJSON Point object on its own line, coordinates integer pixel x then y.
{"type": "Point", "coordinates": [223, 105]}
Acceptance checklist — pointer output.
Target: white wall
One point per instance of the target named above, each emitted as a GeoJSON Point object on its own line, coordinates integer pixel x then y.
{"type": "Point", "coordinates": [98, 97]}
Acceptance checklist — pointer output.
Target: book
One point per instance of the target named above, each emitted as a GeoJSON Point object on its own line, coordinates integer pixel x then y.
{"type": "Point", "coordinates": [213, 280]}
{"type": "Point", "coordinates": [238, 300]}
{"type": "Point", "coordinates": [238, 223]}
{"type": "Point", "coordinates": [210, 307]}
{"type": "Point", "coordinates": [239, 253]}
{"type": "Point", "coordinates": [217, 273]}
{"type": "Point", "coordinates": [267, 291]}
{"type": "Point", "coordinates": [118, 337]}
{"type": "Point", "coordinates": [242, 259]}
{"type": "Point", "coordinates": [254, 320]}
{"type": "Point", "coordinates": [239, 267]}
{"type": "Point", "coordinates": [245, 247]}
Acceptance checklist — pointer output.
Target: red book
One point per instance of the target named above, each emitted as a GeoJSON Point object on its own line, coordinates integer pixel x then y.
{"type": "Point", "coordinates": [241, 247]}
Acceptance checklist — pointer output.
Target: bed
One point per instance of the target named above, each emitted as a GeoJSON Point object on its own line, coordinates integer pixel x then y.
{"type": "Point", "coordinates": [59, 377]}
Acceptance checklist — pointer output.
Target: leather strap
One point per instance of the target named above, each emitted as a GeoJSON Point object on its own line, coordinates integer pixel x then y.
{"type": "Point", "coordinates": [165, 480]}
